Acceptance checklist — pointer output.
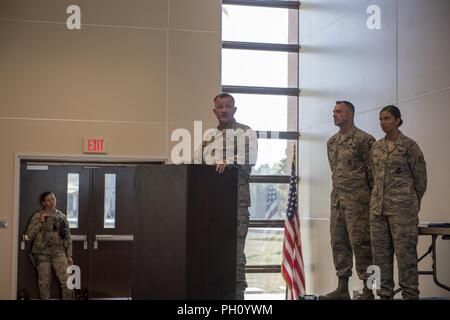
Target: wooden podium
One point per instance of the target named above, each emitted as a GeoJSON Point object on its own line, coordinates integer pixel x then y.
{"type": "Point", "coordinates": [185, 240]}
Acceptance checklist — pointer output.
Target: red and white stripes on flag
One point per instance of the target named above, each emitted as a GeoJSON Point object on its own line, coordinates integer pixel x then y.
{"type": "Point", "coordinates": [292, 260]}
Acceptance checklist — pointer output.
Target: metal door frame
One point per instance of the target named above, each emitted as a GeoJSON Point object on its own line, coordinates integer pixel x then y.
{"type": "Point", "coordinates": [69, 159]}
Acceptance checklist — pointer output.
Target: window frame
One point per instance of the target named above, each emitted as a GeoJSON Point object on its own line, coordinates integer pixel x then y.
{"type": "Point", "coordinates": [287, 91]}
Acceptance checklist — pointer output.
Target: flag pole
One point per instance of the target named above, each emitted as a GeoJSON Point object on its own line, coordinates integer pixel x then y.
{"type": "Point", "coordinates": [294, 162]}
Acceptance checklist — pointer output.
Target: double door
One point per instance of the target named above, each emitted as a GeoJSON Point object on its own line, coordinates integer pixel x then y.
{"type": "Point", "coordinates": [99, 203]}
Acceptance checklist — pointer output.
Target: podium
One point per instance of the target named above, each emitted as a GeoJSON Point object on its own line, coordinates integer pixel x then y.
{"type": "Point", "coordinates": [185, 240]}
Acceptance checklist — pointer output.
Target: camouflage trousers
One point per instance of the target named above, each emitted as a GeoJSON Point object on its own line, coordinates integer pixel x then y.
{"type": "Point", "coordinates": [394, 233]}
{"type": "Point", "coordinates": [44, 269]}
{"type": "Point", "coordinates": [350, 234]}
{"type": "Point", "coordinates": [242, 229]}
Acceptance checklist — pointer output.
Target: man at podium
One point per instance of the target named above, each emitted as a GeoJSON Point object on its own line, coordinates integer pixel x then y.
{"type": "Point", "coordinates": [233, 145]}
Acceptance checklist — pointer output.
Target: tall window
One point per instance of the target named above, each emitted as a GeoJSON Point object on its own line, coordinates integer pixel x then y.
{"type": "Point", "coordinates": [73, 199]}
{"type": "Point", "coordinates": [260, 51]}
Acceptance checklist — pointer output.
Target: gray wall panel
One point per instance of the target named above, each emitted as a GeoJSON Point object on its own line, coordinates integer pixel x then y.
{"type": "Point", "coordinates": [341, 58]}
{"type": "Point", "coordinates": [423, 46]}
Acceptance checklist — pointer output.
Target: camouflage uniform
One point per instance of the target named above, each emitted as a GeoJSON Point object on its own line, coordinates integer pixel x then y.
{"type": "Point", "coordinates": [349, 158]}
{"type": "Point", "coordinates": [49, 248]}
{"type": "Point", "coordinates": [243, 202]}
{"type": "Point", "coordinates": [400, 181]}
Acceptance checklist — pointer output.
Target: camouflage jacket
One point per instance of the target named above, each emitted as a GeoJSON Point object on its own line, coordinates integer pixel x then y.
{"type": "Point", "coordinates": [45, 235]}
{"type": "Point", "coordinates": [243, 160]}
{"type": "Point", "coordinates": [349, 159]}
{"type": "Point", "coordinates": [400, 177]}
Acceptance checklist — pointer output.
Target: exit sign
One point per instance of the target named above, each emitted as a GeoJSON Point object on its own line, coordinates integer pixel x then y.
{"type": "Point", "coordinates": [94, 145]}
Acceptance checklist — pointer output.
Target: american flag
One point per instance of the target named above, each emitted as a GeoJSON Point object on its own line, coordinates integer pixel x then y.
{"type": "Point", "coordinates": [292, 260]}
{"type": "Point", "coordinates": [271, 202]}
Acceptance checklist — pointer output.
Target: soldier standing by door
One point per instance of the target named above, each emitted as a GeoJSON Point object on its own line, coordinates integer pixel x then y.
{"type": "Point", "coordinates": [49, 229]}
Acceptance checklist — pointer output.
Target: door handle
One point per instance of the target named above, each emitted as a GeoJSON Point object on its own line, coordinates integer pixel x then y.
{"type": "Point", "coordinates": [75, 237]}
{"type": "Point", "coordinates": [81, 237]}
{"type": "Point", "coordinates": [112, 237]}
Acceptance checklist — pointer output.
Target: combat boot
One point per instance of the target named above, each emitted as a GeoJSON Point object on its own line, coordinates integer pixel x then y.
{"type": "Point", "coordinates": [341, 293]}
{"type": "Point", "coordinates": [367, 294]}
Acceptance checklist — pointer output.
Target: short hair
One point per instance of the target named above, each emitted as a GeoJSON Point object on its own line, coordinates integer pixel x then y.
{"type": "Point", "coordinates": [43, 196]}
{"type": "Point", "coordinates": [393, 110]}
{"type": "Point", "coordinates": [224, 95]}
{"type": "Point", "coordinates": [348, 104]}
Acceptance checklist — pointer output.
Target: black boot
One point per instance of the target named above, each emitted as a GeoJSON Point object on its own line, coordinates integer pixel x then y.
{"type": "Point", "coordinates": [367, 294]}
{"type": "Point", "coordinates": [341, 293]}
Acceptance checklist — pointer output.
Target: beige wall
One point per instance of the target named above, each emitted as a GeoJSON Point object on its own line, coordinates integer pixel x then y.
{"type": "Point", "coordinates": [135, 71]}
{"type": "Point", "coordinates": [404, 63]}
{"type": "Point", "coordinates": [140, 68]}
